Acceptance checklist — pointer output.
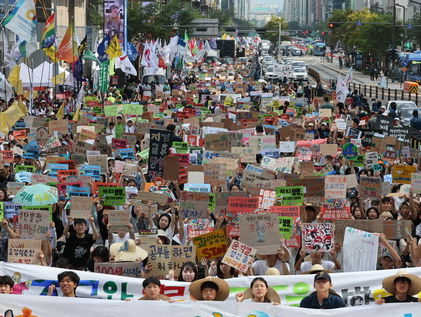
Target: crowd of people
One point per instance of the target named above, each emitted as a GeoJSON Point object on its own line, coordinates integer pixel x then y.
{"type": "Point", "coordinates": [198, 106]}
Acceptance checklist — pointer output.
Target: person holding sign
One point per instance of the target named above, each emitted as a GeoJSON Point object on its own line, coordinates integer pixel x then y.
{"type": "Point", "coordinates": [68, 282]}
{"type": "Point", "coordinates": [278, 260]}
{"type": "Point", "coordinates": [324, 297]}
{"type": "Point", "coordinates": [403, 286]}
{"type": "Point", "coordinates": [259, 292]}
{"type": "Point", "coordinates": [209, 289]}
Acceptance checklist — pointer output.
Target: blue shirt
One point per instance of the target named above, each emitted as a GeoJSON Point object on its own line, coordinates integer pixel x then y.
{"type": "Point", "coordinates": [416, 123]}
{"type": "Point", "coordinates": [333, 301]}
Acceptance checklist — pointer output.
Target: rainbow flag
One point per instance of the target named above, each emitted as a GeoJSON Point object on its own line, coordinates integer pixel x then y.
{"type": "Point", "coordinates": [48, 33]}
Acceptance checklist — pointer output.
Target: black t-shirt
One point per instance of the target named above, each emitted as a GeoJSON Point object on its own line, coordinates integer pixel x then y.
{"type": "Point", "coordinates": [77, 250]}
{"type": "Point", "coordinates": [393, 299]}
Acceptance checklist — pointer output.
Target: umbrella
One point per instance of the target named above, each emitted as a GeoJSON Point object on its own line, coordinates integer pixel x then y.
{"type": "Point", "coordinates": [36, 195]}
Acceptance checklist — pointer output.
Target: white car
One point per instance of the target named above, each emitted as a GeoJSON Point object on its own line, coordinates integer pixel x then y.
{"type": "Point", "coordinates": [273, 73]}
{"type": "Point", "coordinates": [299, 74]}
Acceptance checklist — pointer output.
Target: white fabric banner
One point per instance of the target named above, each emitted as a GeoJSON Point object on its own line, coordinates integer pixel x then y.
{"type": "Point", "coordinates": [47, 306]}
{"type": "Point", "coordinates": [360, 250]}
{"type": "Point", "coordinates": [361, 287]}
{"type": "Point", "coordinates": [22, 20]}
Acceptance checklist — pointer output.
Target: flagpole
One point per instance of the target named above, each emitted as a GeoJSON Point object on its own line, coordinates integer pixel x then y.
{"type": "Point", "coordinates": [4, 61]}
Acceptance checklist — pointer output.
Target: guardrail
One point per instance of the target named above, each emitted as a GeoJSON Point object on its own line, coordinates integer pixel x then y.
{"type": "Point", "coordinates": [384, 93]}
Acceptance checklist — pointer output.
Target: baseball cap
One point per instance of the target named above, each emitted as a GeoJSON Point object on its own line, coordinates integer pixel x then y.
{"type": "Point", "coordinates": [322, 276]}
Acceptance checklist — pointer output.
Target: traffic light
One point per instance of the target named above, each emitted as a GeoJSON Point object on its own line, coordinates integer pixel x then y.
{"type": "Point", "coordinates": [332, 25]}
{"type": "Point", "coordinates": [323, 33]}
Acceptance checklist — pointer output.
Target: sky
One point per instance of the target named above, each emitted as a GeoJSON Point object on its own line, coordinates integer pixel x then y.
{"type": "Point", "coordinates": [278, 2]}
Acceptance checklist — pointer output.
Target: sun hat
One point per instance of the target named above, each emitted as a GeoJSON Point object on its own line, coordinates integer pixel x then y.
{"type": "Point", "coordinates": [272, 271]}
{"type": "Point", "coordinates": [161, 233]}
{"type": "Point", "coordinates": [127, 251]}
{"type": "Point", "coordinates": [271, 295]}
{"type": "Point", "coordinates": [316, 268]}
{"type": "Point", "coordinates": [222, 293]}
{"type": "Point", "coordinates": [415, 287]}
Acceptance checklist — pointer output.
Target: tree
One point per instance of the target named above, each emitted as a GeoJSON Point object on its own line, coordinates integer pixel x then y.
{"type": "Point", "coordinates": [414, 33]}
{"type": "Point", "coordinates": [272, 28]}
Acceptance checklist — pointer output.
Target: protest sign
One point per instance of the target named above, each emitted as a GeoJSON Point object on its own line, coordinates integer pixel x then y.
{"type": "Point", "coordinates": [160, 199]}
{"type": "Point", "coordinates": [169, 257]}
{"type": "Point", "coordinates": [112, 195]}
{"type": "Point", "coordinates": [349, 151]}
{"type": "Point", "coordinates": [217, 142]}
{"type": "Point", "coordinates": [14, 187]}
{"type": "Point", "coordinates": [260, 231]}
{"type": "Point", "coordinates": [33, 224]}
{"type": "Point", "coordinates": [335, 208]}
{"type": "Point", "coordinates": [160, 143]}
{"type": "Point", "coordinates": [60, 126]}
{"type": "Point", "coordinates": [335, 186]}
{"type": "Point", "coordinates": [402, 173]}
{"type": "Point", "coordinates": [129, 269]}
{"type": "Point", "coordinates": [211, 245]}
{"type": "Point", "coordinates": [23, 251]}
{"type": "Point", "coordinates": [267, 198]}
{"type": "Point", "coordinates": [239, 256]}
{"type": "Point", "coordinates": [194, 205]}
{"type": "Point", "coordinates": [197, 227]}
{"type": "Point", "coordinates": [314, 185]}
{"type": "Point", "coordinates": [286, 226]}
{"type": "Point", "coordinates": [99, 160]}
{"type": "Point", "coordinates": [6, 156]}
{"type": "Point", "coordinates": [195, 177]}
{"type": "Point", "coordinates": [370, 187]}
{"type": "Point", "coordinates": [360, 224]}
{"type": "Point", "coordinates": [242, 205]}
{"type": "Point", "coordinates": [200, 188]}
{"type": "Point", "coordinates": [317, 236]}
{"type": "Point", "coordinates": [416, 183]}
{"type": "Point", "coordinates": [290, 195]}
{"type": "Point", "coordinates": [119, 220]}
{"type": "Point", "coordinates": [360, 250]}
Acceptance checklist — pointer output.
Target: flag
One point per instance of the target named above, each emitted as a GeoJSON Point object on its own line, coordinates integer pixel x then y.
{"type": "Point", "coordinates": [22, 20]}
{"type": "Point", "coordinates": [90, 56]}
{"type": "Point", "coordinates": [125, 65]}
{"type": "Point", "coordinates": [77, 70]}
{"type": "Point", "coordinates": [82, 46]}
{"type": "Point", "coordinates": [114, 49]}
{"type": "Point", "coordinates": [341, 90]}
{"type": "Point", "coordinates": [131, 52]}
{"type": "Point", "coordinates": [49, 33]}
{"type": "Point", "coordinates": [146, 56]}
{"type": "Point", "coordinates": [51, 53]}
{"type": "Point", "coordinates": [14, 76]}
{"type": "Point", "coordinates": [27, 48]}
{"type": "Point", "coordinates": [12, 57]}
{"type": "Point", "coordinates": [348, 77]}
{"type": "Point", "coordinates": [186, 37]}
{"type": "Point", "coordinates": [6, 90]}
{"type": "Point", "coordinates": [67, 50]}
{"type": "Point", "coordinates": [58, 79]}
{"type": "Point", "coordinates": [102, 47]}
{"type": "Point", "coordinates": [103, 76]}
{"type": "Point", "coordinates": [60, 112]}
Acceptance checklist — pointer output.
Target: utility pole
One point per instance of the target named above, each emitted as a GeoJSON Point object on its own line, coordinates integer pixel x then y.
{"type": "Point", "coordinates": [394, 27]}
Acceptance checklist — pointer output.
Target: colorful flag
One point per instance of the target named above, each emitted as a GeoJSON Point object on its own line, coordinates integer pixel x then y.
{"type": "Point", "coordinates": [103, 76]}
{"type": "Point", "coordinates": [90, 56]}
{"type": "Point", "coordinates": [51, 53]}
{"type": "Point", "coordinates": [22, 20]}
{"type": "Point", "coordinates": [82, 46]}
{"type": "Point", "coordinates": [131, 52]}
{"type": "Point", "coordinates": [125, 65]}
{"type": "Point", "coordinates": [49, 33]}
{"type": "Point", "coordinates": [67, 50]}
{"type": "Point", "coordinates": [114, 49]}
{"type": "Point", "coordinates": [102, 47]}
{"type": "Point", "coordinates": [6, 92]}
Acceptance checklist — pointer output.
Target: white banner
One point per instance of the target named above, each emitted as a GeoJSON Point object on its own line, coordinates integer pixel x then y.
{"type": "Point", "coordinates": [46, 306]}
{"type": "Point", "coordinates": [360, 287]}
{"type": "Point", "coordinates": [360, 250]}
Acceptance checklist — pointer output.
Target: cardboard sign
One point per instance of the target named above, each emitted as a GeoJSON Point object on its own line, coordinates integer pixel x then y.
{"type": "Point", "coordinates": [416, 183]}
{"type": "Point", "coordinates": [14, 187]}
{"type": "Point", "coordinates": [81, 207]}
{"type": "Point", "coordinates": [194, 205]}
{"type": "Point", "coordinates": [99, 160]}
{"type": "Point", "coordinates": [160, 143]}
{"type": "Point", "coordinates": [260, 231]}
{"type": "Point", "coordinates": [6, 156]}
{"type": "Point", "coordinates": [328, 149]}
{"type": "Point", "coordinates": [325, 113]}
{"type": "Point", "coordinates": [370, 187]}
{"type": "Point", "coordinates": [33, 224]}
{"type": "Point", "coordinates": [335, 208]}
{"type": "Point", "coordinates": [119, 219]}
{"type": "Point", "coordinates": [218, 142]}
{"type": "Point", "coordinates": [112, 195]}
{"type": "Point", "coordinates": [242, 205]}
{"type": "Point", "coordinates": [160, 199]}
{"type": "Point", "coordinates": [365, 225]}
{"type": "Point", "coordinates": [23, 251]}
{"type": "Point", "coordinates": [170, 257]}
{"type": "Point", "coordinates": [335, 186]}
{"type": "Point", "coordinates": [128, 269]}
{"type": "Point", "coordinates": [211, 245]}
{"type": "Point", "coordinates": [215, 174]}
{"type": "Point", "coordinates": [290, 195]}
{"type": "Point", "coordinates": [317, 236]}
{"type": "Point", "coordinates": [60, 126]}
{"type": "Point", "coordinates": [197, 227]}
{"type": "Point", "coordinates": [239, 256]}
{"type": "Point", "coordinates": [402, 173]}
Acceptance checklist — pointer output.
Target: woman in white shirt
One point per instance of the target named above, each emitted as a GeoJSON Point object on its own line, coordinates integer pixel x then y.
{"type": "Point", "coordinates": [259, 292]}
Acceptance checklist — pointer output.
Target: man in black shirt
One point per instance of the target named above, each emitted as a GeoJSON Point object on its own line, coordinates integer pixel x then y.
{"type": "Point", "coordinates": [403, 286]}
{"type": "Point", "coordinates": [79, 242]}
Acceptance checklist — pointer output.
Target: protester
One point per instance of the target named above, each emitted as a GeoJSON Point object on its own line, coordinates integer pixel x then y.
{"type": "Point", "coordinates": [209, 289]}
{"type": "Point", "coordinates": [403, 286]}
{"type": "Point", "coordinates": [324, 297]}
{"type": "Point", "coordinates": [68, 282]}
{"type": "Point", "coordinates": [259, 292]}
{"type": "Point", "coordinates": [6, 284]}
{"type": "Point", "coordinates": [151, 290]}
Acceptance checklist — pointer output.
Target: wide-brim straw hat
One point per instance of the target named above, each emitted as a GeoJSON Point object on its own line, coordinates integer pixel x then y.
{"type": "Point", "coordinates": [317, 268]}
{"type": "Point", "coordinates": [271, 295]}
{"type": "Point", "coordinates": [222, 293]}
{"type": "Point", "coordinates": [127, 251]}
{"type": "Point", "coordinates": [414, 288]}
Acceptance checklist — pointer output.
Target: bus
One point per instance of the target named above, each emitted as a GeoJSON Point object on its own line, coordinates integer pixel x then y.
{"type": "Point", "coordinates": [319, 49]}
{"type": "Point", "coordinates": [413, 66]}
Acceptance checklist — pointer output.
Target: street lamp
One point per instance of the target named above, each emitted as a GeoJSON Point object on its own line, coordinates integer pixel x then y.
{"type": "Point", "coordinates": [403, 21]}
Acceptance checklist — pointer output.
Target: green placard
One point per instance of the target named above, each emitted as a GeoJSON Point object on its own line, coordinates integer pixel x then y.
{"type": "Point", "coordinates": [212, 202]}
{"type": "Point", "coordinates": [112, 195]}
{"type": "Point", "coordinates": [358, 161]}
{"type": "Point", "coordinates": [1, 214]}
{"type": "Point", "coordinates": [144, 155]}
{"type": "Point", "coordinates": [181, 147]}
{"type": "Point", "coordinates": [290, 195]}
{"type": "Point", "coordinates": [286, 226]}
{"type": "Point", "coordinates": [133, 109]}
{"type": "Point", "coordinates": [97, 110]}
{"type": "Point", "coordinates": [25, 168]}
{"type": "Point", "coordinates": [111, 111]}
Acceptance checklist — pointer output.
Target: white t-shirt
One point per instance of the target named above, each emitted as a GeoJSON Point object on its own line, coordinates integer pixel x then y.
{"type": "Point", "coordinates": [327, 265]}
{"type": "Point", "coordinates": [260, 267]}
{"type": "Point", "coordinates": [117, 239]}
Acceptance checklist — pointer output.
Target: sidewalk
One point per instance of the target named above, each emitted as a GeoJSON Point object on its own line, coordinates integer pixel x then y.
{"type": "Point", "coordinates": [358, 77]}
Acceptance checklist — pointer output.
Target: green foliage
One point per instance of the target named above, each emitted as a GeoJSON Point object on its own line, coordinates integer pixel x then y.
{"type": "Point", "coordinates": [414, 34]}
{"type": "Point", "coordinates": [96, 18]}
{"type": "Point", "coordinates": [272, 28]}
